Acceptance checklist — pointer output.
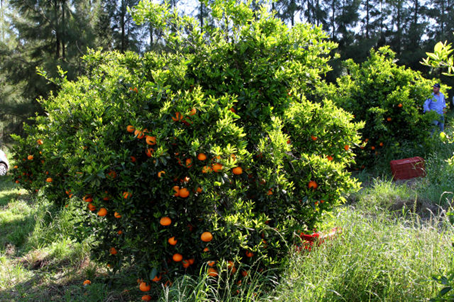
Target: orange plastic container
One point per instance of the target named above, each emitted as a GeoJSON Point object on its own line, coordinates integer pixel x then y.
{"type": "Point", "coordinates": [408, 168]}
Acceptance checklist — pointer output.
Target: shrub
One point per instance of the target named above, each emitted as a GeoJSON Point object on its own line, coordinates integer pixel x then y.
{"type": "Point", "coordinates": [389, 98]}
{"type": "Point", "coordinates": [216, 138]}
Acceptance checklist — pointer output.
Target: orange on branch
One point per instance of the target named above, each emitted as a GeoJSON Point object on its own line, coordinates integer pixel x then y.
{"type": "Point", "coordinates": [206, 237]}
{"type": "Point", "coordinates": [165, 221]}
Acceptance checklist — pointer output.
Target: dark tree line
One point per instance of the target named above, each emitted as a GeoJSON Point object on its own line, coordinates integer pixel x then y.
{"type": "Point", "coordinates": [51, 33]}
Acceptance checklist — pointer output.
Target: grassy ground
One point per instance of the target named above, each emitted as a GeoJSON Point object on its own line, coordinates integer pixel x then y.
{"type": "Point", "coordinates": [395, 236]}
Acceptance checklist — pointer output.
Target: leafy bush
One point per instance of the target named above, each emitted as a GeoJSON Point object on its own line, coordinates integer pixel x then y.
{"type": "Point", "coordinates": [389, 98]}
{"type": "Point", "coordinates": [209, 153]}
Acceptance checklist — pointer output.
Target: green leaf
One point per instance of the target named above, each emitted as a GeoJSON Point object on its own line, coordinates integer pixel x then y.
{"type": "Point", "coordinates": [153, 273]}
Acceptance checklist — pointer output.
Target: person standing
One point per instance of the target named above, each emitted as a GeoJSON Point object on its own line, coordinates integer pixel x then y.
{"type": "Point", "coordinates": [436, 103]}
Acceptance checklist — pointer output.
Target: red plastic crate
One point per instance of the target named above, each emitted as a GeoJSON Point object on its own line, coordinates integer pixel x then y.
{"type": "Point", "coordinates": [408, 168]}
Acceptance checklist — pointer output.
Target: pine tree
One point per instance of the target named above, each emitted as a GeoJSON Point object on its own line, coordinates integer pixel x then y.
{"type": "Point", "coordinates": [126, 35]}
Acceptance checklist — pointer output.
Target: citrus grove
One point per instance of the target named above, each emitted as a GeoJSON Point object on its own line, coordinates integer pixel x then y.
{"type": "Point", "coordinates": [204, 155]}
{"type": "Point", "coordinates": [389, 98]}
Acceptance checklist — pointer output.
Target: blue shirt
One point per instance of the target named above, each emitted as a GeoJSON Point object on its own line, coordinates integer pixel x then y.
{"type": "Point", "coordinates": [437, 103]}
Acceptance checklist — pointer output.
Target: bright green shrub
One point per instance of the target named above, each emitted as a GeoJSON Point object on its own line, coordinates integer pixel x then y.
{"type": "Point", "coordinates": [389, 98]}
{"type": "Point", "coordinates": [238, 99]}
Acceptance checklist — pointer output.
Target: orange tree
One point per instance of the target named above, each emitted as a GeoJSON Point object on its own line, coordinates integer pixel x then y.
{"type": "Point", "coordinates": [389, 98]}
{"type": "Point", "coordinates": [210, 152]}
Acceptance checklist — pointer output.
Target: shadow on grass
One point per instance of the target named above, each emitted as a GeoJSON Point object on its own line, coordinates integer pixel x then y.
{"type": "Point", "coordinates": [63, 281]}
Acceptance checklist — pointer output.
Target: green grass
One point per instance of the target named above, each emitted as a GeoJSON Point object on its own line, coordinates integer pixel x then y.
{"type": "Point", "coordinates": [395, 236]}
{"type": "Point", "coordinates": [381, 255]}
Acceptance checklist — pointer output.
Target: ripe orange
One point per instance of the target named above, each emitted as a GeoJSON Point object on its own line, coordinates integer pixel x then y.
{"type": "Point", "coordinates": [156, 278]}
{"type": "Point", "coordinates": [130, 129]}
{"type": "Point", "coordinates": [237, 171]}
{"type": "Point", "coordinates": [112, 174]}
{"type": "Point", "coordinates": [249, 254]}
{"type": "Point", "coordinates": [113, 251]}
{"type": "Point", "coordinates": [102, 212]}
{"type": "Point", "coordinates": [366, 140]}
{"type": "Point", "coordinates": [168, 283]}
{"type": "Point", "coordinates": [15, 167]}
{"type": "Point", "coordinates": [314, 138]}
{"type": "Point", "coordinates": [126, 195]}
{"type": "Point", "coordinates": [178, 117]}
{"type": "Point", "coordinates": [206, 250]}
{"type": "Point", "coordinates": [177, 191]}
{"type": "Point", "coordinates": [184, 192]}
{"type": "Point", "coordinates": [188, 162]}
{"type": "Point", "coordinates": [199, 190]}
{"type": "Point", "coordinates": [49, 179]}
{"type": "Point", "coordinates": [172, 241]}
{"type": "Point", "coordinates": [312, 185]}
{"type": "Point", "coordinates": [373, 148]}
{"type": "Point", "coordinates": [149, 152]}
{"type": "Point", "coordinates": [381, 144]}
{"type": "Point", "coordinates": [201, 157]}
{"type": "Point", "coordinates": [330, 158]}
{"type": "Point", "coordinates": [17, 181]}
{"type": "Point", "coordinates": [388, 119]}
{"type": "Point", "coordinates": [91, 207]}
{"type": "Point", "coordinates": [191, 261]}
{"type": "Point", "coordinates": [133, 159]}
{"type": "Point", "coordinates": [212, 272]}
{"type": "Point", "coordinates": [139, 134]}
{"type": "Point", "coordinates": [270, 192]}
{"type": "Point", "coordinates": [211, 263]}
{"type": "Point", "coordinates": [346, 147]}
{"type": "Point", "coordinates": [146, 298]}
{"type": "Point", "coordinates": [185, 263]}
{"type": "Point", "coordinates": [117, 215]}
{"type": "Point", "coordinates": [177, 257]}
{"type": "Point", "coordinates": [87, 282]}
{"type": "Point", "coordinates": [206, 237]}
{"type": "Point", "coordinates": [40, 142]}
{"type": "Point", "coordinates": [165, 221]}
{"type": "Point", "coordinates": [400, 105]}
{"type": "Point", "coordinates": [88, 198]}
{"type": "Point", "coordinates": [30, 157]}
{"type": "Point", "coordinates": [193, 111]}
{"type": "Point", "coordinates": [144, 287]}
{"type": "Point", "coordinates": [217, 167]}
{"type": "Point", "coordinates": [206, 169]}
{"type": "Point", "coordinates": [136, 90]}
{"type": "Point", "coordinates": [160, 173]}
{"type": "Point", "coordinates": [150, 140]}
{"type": "Point", "coordinates": [244, 273]}
{"type": "Point", "coordinates": [120, 232]}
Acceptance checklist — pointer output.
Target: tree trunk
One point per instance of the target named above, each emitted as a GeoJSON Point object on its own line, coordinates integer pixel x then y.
{"type": "Point", "coordinates": [292, 12]}
{"type": "Point", "coordinates": [57, 30]}
{"type": "Point", "coordinates": [333, 10]}
{"type": "Point", "coordinates": [63, 28]}
{"type": "Point", "coordinates": [201, 14]}
{"type": "Point", "coordinates": [122, 25]}
{"type": "Point", "coordinates": [442, 20]}
{"type": "Point", "coordinates": [399, 25]}
{"type": "Point", "coordinates": [367, 18]}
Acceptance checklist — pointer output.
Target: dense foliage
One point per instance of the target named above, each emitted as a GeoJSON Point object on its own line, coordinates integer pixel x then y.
{"type": "Point", "coordinates": [208, 154]}
{"type": "Point", "coordinates": [389, 98]}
